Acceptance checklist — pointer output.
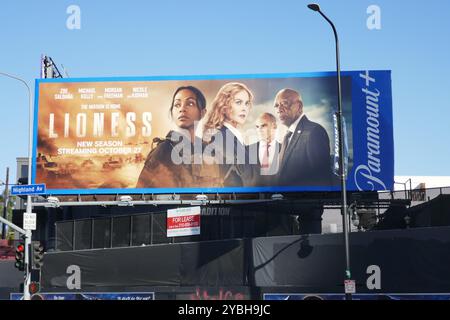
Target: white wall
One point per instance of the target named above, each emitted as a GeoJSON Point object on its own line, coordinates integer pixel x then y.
{"type": "Point", "coordinates": [430, 181]}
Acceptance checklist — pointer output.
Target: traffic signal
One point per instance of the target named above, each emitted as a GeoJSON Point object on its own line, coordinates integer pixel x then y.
{"type": "Point", "coordinates": [37, 255]}
{"type": "Point", "coordinates": [34, 287]}
{"type": "Point", "coordinates": [20, 256]}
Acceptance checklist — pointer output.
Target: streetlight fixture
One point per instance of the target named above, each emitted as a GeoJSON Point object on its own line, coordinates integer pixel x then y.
{"type": "Point", "coordinates": [26, 292]}
{"type": "Point", "coordinates": [5, 202]}
{"type": "Point", "coordinates": [315, 7]}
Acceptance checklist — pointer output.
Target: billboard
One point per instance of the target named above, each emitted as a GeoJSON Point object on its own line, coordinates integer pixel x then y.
{"type": "Point", "coordinates": [212, 134]}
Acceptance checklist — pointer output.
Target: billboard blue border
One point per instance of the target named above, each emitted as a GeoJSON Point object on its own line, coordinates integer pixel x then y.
{"type": "Point", "coordinates": [357, 101]}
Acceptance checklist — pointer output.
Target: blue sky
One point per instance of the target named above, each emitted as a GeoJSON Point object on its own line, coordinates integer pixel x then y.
{"type": "Point", "coordinates": [149, 38]}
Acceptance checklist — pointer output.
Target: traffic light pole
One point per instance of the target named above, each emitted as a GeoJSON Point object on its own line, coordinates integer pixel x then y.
{"type": "Point", "coordinates": [28, 253]}
{"type": "Point", "coordinates": [5, 203]}
{"type": "Point", "coordinates": [27, 234]}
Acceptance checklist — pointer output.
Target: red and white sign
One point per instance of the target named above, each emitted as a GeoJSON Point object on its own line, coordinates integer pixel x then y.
{"type": "Point", "coordinates": [350, 286]}
{"type": "Point", "coordinates": [183, 222]}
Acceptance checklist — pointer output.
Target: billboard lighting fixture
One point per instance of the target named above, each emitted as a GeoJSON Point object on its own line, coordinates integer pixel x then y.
{"type": "Point", "coordinates": [277, 196]}
{"type": "Point", "coordinates": [52, 202]}
{"type": "Point", "coordinates": [125, 201]}
{"type": "Point", "coordinates": [200, 200]}
{"type": "Point", "coordinates": [201, 197]}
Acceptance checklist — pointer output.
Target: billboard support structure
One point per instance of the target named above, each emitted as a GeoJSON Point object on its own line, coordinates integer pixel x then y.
{"type": "Point", "coordinates": [148, 202]}
{"type": "Point", "coordinates": [331, 202]}
{"type": "Point", "coordinates": [49, 68]}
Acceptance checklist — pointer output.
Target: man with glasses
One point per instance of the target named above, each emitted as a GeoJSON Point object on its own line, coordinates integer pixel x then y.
{"type": "Point", "coordinates": [305, 153]}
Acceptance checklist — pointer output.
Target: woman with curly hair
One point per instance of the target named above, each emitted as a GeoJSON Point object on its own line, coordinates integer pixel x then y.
{"type": "Point", "coordinates": [229, 110]}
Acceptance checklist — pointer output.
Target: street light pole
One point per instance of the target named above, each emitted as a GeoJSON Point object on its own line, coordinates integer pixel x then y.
{"type": "Point", "coordinates": [26, 292]}
{"type": "Point", "coordinates": [316, 7]}
{"type": "Point", "coordinates": [5, 203]}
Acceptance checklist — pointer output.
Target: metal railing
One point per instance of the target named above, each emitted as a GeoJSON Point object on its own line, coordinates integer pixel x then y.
{"type": "Point", "coordinates": [414, 195]}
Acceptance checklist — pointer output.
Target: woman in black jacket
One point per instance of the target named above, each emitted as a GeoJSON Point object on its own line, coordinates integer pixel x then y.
{"type": "Point", "coordinates": [229, 111]}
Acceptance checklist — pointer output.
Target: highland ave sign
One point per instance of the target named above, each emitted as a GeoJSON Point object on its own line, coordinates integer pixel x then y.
{"type": "Point", "coordinates": [29, 189]}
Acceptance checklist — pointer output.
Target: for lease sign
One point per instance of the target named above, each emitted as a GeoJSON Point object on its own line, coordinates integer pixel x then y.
{"type": "Point", "coordinates": [183, 222]}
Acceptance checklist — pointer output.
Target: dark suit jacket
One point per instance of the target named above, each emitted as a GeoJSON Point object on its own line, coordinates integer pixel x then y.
{"type": "Point", "coordinates": [306, 161]}
{"type": "Point", "coordinates": [261, 180]}
{"type": "Point", "coordinates": [233, 174]}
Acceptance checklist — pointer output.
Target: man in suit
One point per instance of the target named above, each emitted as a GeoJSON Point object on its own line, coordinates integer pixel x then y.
{"type": "Point", "coordinates": [266, 150]}
{"type": "Point", "coordinates": [305, 152]}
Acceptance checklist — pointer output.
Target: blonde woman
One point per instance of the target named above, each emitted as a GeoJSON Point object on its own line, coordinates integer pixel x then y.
{"type": "Point", "coordinates": [229, 111]}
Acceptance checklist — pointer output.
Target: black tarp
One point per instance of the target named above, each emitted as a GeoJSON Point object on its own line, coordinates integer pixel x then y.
{"type": "Point", "coordinates": [414, 260]}
{"type": "Point", "coordinates": [136, 266]}
{"type": "Point", "coordinates": [212, 263]}
{"type": "Point", "coordinates": [207, 264]}
{"type": "Point", "coordinates": [10, 278]}
{"type": "Point", "coordinates": [433, 213]}
{"type": "Point", "coordinates": [410, 260]}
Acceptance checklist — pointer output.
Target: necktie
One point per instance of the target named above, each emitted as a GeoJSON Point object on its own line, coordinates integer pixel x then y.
{"type": "Point", "coordinates": [285, 145]}
{"type": "Point", "coordinates": [265, 157]}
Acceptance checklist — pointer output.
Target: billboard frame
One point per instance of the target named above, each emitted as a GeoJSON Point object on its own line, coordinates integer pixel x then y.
{"type": "Point", "coordinates": [387, 115]}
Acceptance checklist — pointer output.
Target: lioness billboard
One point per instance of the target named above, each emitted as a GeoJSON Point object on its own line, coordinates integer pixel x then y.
{"type": "Point", "coordinates": [246, 133]}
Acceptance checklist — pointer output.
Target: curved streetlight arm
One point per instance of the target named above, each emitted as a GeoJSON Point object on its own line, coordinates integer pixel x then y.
{"type": "Point", "coordinates": [332, 26]}
{"type": "Point", "coordinates": [338, 63]}
{"type": "Point", "coordinates": [28, 233]}
{"type": "Point", "coordinates": [30, 137]}
{"type": "Point", "coordinates": [16, 78]}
